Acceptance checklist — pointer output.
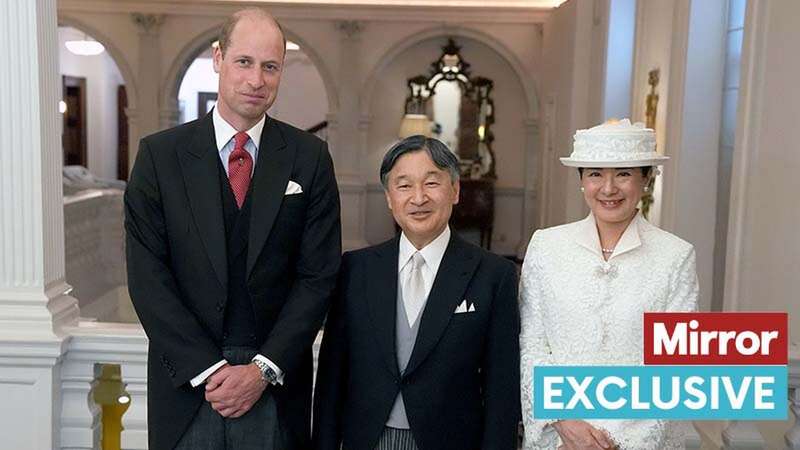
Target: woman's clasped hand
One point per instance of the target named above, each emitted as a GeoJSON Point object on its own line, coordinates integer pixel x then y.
{"type": "Point", "coordinates": [579, 435]}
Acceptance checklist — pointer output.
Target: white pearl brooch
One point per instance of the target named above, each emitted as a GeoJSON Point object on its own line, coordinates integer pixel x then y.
{"type": "Point", "coordinates": [609, 270]}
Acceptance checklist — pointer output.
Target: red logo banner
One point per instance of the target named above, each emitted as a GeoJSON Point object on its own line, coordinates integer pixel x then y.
{"type": "Point", "coordinates": [739, 338]}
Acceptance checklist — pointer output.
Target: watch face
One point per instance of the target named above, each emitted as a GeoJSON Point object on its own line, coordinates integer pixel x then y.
{"type": "Point", "coordinates": [267, 373]}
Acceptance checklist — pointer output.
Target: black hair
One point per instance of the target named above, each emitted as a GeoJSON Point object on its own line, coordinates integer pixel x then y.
{"type": "Point", "coordinates": [442, 157]}
{"type": "Point", "coordinates": [646, 170]}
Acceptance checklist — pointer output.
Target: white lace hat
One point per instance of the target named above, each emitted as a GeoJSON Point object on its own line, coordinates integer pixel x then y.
{"type": "Point", "coordinates": [615, 144]}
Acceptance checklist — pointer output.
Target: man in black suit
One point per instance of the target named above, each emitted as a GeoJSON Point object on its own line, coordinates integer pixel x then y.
{"type": "Point", "coordinates": [421, 348]}
{"type": "Point", "coordinates": [233, 245]}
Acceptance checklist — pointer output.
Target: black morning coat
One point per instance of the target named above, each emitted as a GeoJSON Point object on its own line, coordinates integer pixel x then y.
{"type": "Point", "coordinates": [461, 385]}
{"type": "Point", "coordinates": [177, 265]}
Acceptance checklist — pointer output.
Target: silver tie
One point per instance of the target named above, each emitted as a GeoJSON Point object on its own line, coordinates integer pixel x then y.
{"type": "Point", "coordinates": [414, 289]}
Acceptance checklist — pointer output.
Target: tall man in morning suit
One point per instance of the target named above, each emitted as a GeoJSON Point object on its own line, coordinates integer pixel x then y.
{"type": "Point", "coordinates": [233, 245]}
{"type": "Point", "coordinates": [421, 349]}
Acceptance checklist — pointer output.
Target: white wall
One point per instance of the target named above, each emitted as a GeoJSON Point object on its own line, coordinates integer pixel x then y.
{"type": "Point", "coordinates": [557, 55]}
{"type": "Point", "coordinates": [653, 48]}
{"type": "Point", "coordinates": [301, 100]}
{"type": "Point", "coordinates": [619, 59]}
{"type": "Point", "coordinates": [730, 101]}
{"type": "Point", "coordinates": [573, 82]}
{"type": "Point", "coordinates": [652, 51]}
{"type": "Point", "coordinates": [200, 77]}
{"type": "Point", "coordinates": [690, 186]}
{"type": "Point", "coordinates": [102, 80]}
{"type": "Point", "coordinates": [686, 42]}
{"type": "Point", "coordinates": [763, 260]}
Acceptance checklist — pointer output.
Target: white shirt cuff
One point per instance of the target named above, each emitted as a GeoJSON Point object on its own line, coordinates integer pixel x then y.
{"type": "Point", "coordinates": [272, 366]}
{"type": "Point", "coordinates": [200, 379]}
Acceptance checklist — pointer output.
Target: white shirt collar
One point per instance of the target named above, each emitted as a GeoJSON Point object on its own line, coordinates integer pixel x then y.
{"type": "Point", "coordinates": [589, 237]}
{"type": "Point", "coordinates": [224, 132]}
{"type": "Point", "coordinates": [432, 253]}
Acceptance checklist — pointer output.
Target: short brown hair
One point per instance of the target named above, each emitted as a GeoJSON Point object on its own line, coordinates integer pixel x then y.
{"type": "Point", "coordinates": [230, 23]}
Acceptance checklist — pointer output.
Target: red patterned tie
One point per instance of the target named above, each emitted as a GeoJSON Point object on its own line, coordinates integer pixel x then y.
{"type": "Point", "coordinates": [240, 165]}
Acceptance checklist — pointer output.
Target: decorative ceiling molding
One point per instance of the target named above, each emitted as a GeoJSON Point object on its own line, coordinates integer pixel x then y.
{"type": "Point", "coordinates": [147, 23]}
{"type": "Point", "coordinates": [350, 28]}
{"type": "Point", "coordinates": [461, 11]}
{"type": "Point", "coordinates": [481, 4]}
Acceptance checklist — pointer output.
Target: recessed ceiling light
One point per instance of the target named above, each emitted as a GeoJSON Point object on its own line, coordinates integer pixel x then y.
{"type": "Point", "coordinates": [85, 47]}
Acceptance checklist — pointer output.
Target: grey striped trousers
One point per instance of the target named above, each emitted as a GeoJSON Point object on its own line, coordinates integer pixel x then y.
{"type": "Point", "coordinates": [259, 429]}
{"type": "Point", "coordinates": [396, 439]}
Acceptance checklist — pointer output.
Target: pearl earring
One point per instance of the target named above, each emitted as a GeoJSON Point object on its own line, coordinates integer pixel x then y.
{"type": "Point", "coordinates": [583, 189]}
{"type": "Point", "coordinates": [647, 188]}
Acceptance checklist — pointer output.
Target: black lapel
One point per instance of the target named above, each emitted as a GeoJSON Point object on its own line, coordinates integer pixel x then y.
{"type": "Point", "coordinates": [455, 272]}
{"type": "Point", "coordinates": [381, 293]}
{"type": "Point", "coordinates": [200, 165]}
{"type": "Point", "coordinates": [273, 168]}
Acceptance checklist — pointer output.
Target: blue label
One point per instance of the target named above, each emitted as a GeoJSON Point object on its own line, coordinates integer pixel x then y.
{"type": "Point", "coordinates": [661, 392]}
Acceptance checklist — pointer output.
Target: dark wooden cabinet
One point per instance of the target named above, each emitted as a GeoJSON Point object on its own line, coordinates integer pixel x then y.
{"type": "Point", "coordinates": [122, 133]}
{"type": "Point", "coordinates": [475, 209]}
{"type": "Point", "coordinates": [73, 138]}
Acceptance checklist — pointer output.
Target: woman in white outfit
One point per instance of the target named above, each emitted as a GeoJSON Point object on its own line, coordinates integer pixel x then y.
{"type": "Point", "coordinates": [585, 286]}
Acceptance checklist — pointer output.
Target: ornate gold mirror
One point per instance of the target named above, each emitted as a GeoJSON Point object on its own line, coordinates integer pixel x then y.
{"type": "Point", "coordinates": [456, 108]}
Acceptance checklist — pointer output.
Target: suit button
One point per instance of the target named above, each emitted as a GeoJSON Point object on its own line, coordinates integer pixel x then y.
{"type": "Point", "coordinates": [220, 307]}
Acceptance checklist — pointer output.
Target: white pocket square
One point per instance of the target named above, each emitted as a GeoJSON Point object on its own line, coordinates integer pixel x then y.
{"type": "Point", "coordinates": [463, 308]}
{"type": "Point", "coordinates": [293, 188]}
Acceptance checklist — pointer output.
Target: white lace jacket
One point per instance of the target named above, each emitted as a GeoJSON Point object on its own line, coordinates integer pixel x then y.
{"type": "Point", "coordinates": [577, 309]}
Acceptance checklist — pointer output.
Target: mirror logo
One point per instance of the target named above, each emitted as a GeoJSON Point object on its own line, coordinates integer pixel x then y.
{"type": "Point", "coordinates": [715, 366]}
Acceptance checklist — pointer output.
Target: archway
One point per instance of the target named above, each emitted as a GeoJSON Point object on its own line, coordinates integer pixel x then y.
{"type": "Point", "coordinates": [302, 66]}
{"type": "Point", "coordinates": [516, 111]}
{"type": "Point", "coordinates": [100, 89]}
{"type": "Point", "coordinates": [99, 92]}
{"type": "Point", "coordinates": [526, 79]}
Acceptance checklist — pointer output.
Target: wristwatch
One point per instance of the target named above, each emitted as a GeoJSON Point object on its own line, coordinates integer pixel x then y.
{"type": "Point", "coordinates": [267, 374]}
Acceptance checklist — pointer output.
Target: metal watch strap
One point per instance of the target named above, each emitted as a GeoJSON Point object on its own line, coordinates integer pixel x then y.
{"type": "Point", "coordinates": [267, 374]}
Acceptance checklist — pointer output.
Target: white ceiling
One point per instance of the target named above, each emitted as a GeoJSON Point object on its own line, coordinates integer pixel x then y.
{"type": "Point", "coordinates": [439, 11]}
{"type": "Point", "coordinates": [493, 4]}
{"type": "Point", "coordinates": [478, 4]}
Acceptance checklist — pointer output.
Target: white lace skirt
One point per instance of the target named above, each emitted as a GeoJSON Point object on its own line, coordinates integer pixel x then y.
{"type": "Point", "coordinates": [627, 434]}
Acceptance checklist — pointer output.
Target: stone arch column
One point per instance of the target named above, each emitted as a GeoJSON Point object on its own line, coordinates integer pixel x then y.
{"type": "Point", "coordinates": [146, 115]}
{"type": "Point", "coordinates": [348, 162]}
{"type": "Point", "coordinates": [168, 102]}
